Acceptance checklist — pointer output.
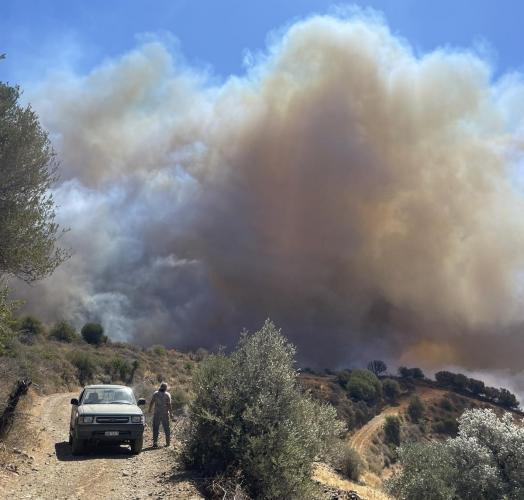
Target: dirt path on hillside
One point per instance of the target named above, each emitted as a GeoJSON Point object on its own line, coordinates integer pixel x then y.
{"type": "Point", "coordinates": [362, 439]}
{"type": "Point", "coordinates": [51, 472]}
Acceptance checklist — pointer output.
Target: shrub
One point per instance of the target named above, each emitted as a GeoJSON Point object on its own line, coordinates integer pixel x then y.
{"type": "Point", "coordinates": [392, 430]}
{"type": "Point", "coordinates": [29, 325]}
{"type": "Point", "coordinates": [446, 404]}
{"type": "Point", "coordinates": [345, 460]}
{"type": "Point", "coordinates": [485, 461]}
{"type": "Point", "coordinates": [460, 382]}
{"type": "Point", "coordinates": [351, 465]}
{"type": "Point", "coordinates": [476, 386]}
{"type": "Point", "coordinates": [448, 425]}
{"type": "Point", "coordinates": [444, 378]}
{"type": "Point", "coordinates": [507, 399]}
{"type": "Point", "coordinates": [120, 369]}
{"type": "Point", "coordinates": [415, 373]}
{"type": "Point", "coordinates": [391, 390]}
{"type": "Point", "coordinates": [365, 386]}
{"type": "Point", "coordinates": [377, 366]}
{"type": "Point", "coordinates": [492, 393]}
{"type": "Point", "coordinates": [250, 415]}
{"type": "Point", "coordinates": [85, 364]}
{"type": "Point", "coordinates": [93, 333]}
{"type": "Point", "coordinates": [158, 350]}
{"type": "Point", "coordinates": [180, 398]}
{"type": "Point", "coordinates": [343, 378]}
{"type": "Point", "coordinates": [416, 409]}
{"type": "Point", "coordinates": [63, 332]}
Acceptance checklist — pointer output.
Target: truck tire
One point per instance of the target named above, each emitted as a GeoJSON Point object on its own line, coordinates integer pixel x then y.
{"type": "Point", "coordinates": [136, 445]}
{"type": "Point", "coordinates": [77, 446]}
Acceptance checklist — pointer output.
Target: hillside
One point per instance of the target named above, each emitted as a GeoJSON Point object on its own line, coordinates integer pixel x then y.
{"type": "Point", "coordinates": [35, 455]}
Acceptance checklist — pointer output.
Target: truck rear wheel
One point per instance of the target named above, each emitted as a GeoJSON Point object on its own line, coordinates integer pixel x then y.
{"type": "Point", "coordinates": [77, 446]}
{"type": "Point", "coordinates": [136, 445]}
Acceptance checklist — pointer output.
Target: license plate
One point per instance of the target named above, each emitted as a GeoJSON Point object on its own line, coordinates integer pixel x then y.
{"type": "Point", "coordinates": [111, 433]}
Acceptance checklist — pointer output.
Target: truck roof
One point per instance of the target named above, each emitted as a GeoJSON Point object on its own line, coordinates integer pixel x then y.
{"type": "Point", "coordinates": [102, 386]}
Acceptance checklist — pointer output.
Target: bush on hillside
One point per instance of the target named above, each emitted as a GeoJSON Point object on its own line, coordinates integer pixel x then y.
{"type": "Point", "coordinates": [391, 390]}
{"type": "Point", "coordinates": [120, 369]}
{"type": "Point", "coordinates": [93, 333]}
{"type": "Point", "coordinates": [507, 399]}
{"type": "Point", "coordinates": [29, 325]}
{"type": "Point", "coordinates": [415, 373]}
{"type": "Point", "coordinates": [85, 364]}
{"type": "Point", "coordinates": [446, 425]}
{"type": "Point", "coordinates": [343, 378]}
{"type": "Point", "coordinates": [416, 409]}
{"type": "Point", "coordinates": [364, 386]}
{"type": "Point", "coordinates": [484, 461]}
{"type": "Point", "coordinates": [345, 460]}
{"type": "Point", "coordinates": [476, 386]}
{"type": "Point", "coordinates": [250, 416]}
{"type": "Point", "coordinates": [392, 430]}
{"type": "Point", "coordinates": [63, 332]}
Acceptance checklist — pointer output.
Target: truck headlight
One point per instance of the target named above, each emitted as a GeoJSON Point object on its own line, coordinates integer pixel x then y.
{"type": "Point", "coordinates": [137, 419]}
{"type": "Point", "coordinates": [86, 420]}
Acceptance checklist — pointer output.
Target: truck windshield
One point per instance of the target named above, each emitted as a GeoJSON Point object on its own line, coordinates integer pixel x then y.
{"type": "Point", "coordinates": [103, 395]}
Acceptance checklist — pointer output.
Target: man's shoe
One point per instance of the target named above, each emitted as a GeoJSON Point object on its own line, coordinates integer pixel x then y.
{"type": "Point", "coordinates": [155, 445]}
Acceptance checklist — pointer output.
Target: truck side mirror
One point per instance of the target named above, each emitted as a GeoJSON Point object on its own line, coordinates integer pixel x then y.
{"type": "Point", "coordinates": [141, 402]}
{"type": "Point", "coordinates": [74, 402]}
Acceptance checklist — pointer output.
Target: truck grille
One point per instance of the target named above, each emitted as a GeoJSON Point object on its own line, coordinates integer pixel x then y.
{"type": "Point", "coordinates": [112, 420]}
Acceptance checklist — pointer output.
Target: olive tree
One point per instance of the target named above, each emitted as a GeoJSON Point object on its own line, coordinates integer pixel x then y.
{"type": "Point", "coordinates": [250, 418]}
{"type": "Point", "coordinates": [484, 461]}
{"type": "Point", "coordinates": [28, 169]}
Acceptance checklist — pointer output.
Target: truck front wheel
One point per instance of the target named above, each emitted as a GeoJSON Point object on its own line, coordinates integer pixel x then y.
{"type": "Point", "coordinates": [136, 445]}
{"type": "Point", "coordinates": [77, 446]}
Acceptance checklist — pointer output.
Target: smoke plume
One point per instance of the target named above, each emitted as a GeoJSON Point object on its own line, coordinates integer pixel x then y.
{"type": "Point", "coordinates": [366, 198]}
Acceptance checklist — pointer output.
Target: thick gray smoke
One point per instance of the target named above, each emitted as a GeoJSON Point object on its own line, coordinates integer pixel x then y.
{"type": "Point", "coordinates": [367, 199]}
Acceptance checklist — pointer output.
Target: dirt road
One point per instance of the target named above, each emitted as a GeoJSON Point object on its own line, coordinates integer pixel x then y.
{"type": "Point", "coordinates": [51, 472]}
{"type": "Point", "coordinates": [362, 439]}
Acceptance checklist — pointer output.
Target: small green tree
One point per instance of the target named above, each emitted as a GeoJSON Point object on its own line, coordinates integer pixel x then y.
{"type": "Point", "coordinates": [391, 390]}
{"type": "Point", "coordinates": [392, 430]}
{"type": "Point", "coordinates": [416, 409]}
{"type": "Point", "coordinates": [85, 364]}
{"type": "Point", "coordinates": [508, 399]}
{"type": "Point", "coordinates": [93, 333]}
{"type": "Point", "coordinates": [249, 415]}
{"type": "Point", "coordinates": [364, 385]}
{"type": "Point", "coordinates": [63, 332]}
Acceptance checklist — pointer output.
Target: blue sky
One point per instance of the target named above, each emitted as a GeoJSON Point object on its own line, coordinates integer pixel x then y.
{"type": "Point", "coordinates": [40, 34]}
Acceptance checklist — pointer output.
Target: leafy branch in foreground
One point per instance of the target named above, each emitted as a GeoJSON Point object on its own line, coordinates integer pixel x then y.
{"type": "Point", "coordinates": [28, 169]}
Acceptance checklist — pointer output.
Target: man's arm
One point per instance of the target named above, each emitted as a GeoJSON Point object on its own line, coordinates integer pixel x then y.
{"type": "Point", "coordinates": [151, 404]}
{"type": "Point", "coordinates": [170, 406]}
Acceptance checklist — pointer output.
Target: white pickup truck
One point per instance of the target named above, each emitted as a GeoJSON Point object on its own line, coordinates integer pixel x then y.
{"type": "Point", "coordinates": [106, 414]}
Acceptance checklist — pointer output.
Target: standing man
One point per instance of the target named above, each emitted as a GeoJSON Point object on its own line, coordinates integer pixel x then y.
{"type": "Point", "coordinates": [161, 400]}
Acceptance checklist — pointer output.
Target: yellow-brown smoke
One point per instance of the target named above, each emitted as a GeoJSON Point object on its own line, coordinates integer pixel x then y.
{"type": "Point", "coordinates": [365, 198]}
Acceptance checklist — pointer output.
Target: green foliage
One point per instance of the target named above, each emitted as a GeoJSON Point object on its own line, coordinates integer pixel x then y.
{"type": "Point", "coordinates": [350, 463]}
{"type": "Point", "coordinates": [250, 415]}
{"type": "Point", "coordinates": [365, 386]}
{"type": "Point", "coordinates": [476, 386]}
{"type": "Point", "coordinates": [63, 332]}
{"type": "Point", "coordinates": [444, 378]}
{"type": "Point", "coordinates": [416, 409]}
{"type": "Point", "coordinates": [377, 366]}
{"type": "Point", "coordinates": [485, 461]}
{"type": "Point", "coordinates": [392, 430]}
{"type": "Point", "coordinates": [28, 231]}
{"type": "Point", "coordinates": [507, 399]}
{"type": "Point", "coordinates": [446, 425]}
{"type": "Point", "coordinates": [343, 378]}
{"type": "Point", "coordinates": [29, 325]}
{"type": "Point", "coordinates": [180, 398]}
{"type": "Point", "coordinates": [415, 373]}
{"type": "Point", "coordinates": [7, 308]}
{"type": "Point", "coordinates": [120, 369]}
{"type": "Point", "coordinates": [86, 365]}
{"type": "Point", "coordinates": [391, 390]}
{"type": "Point", "coordinates": [158, 350]}
{"type": "Point", "coordinates": [93, 333]}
